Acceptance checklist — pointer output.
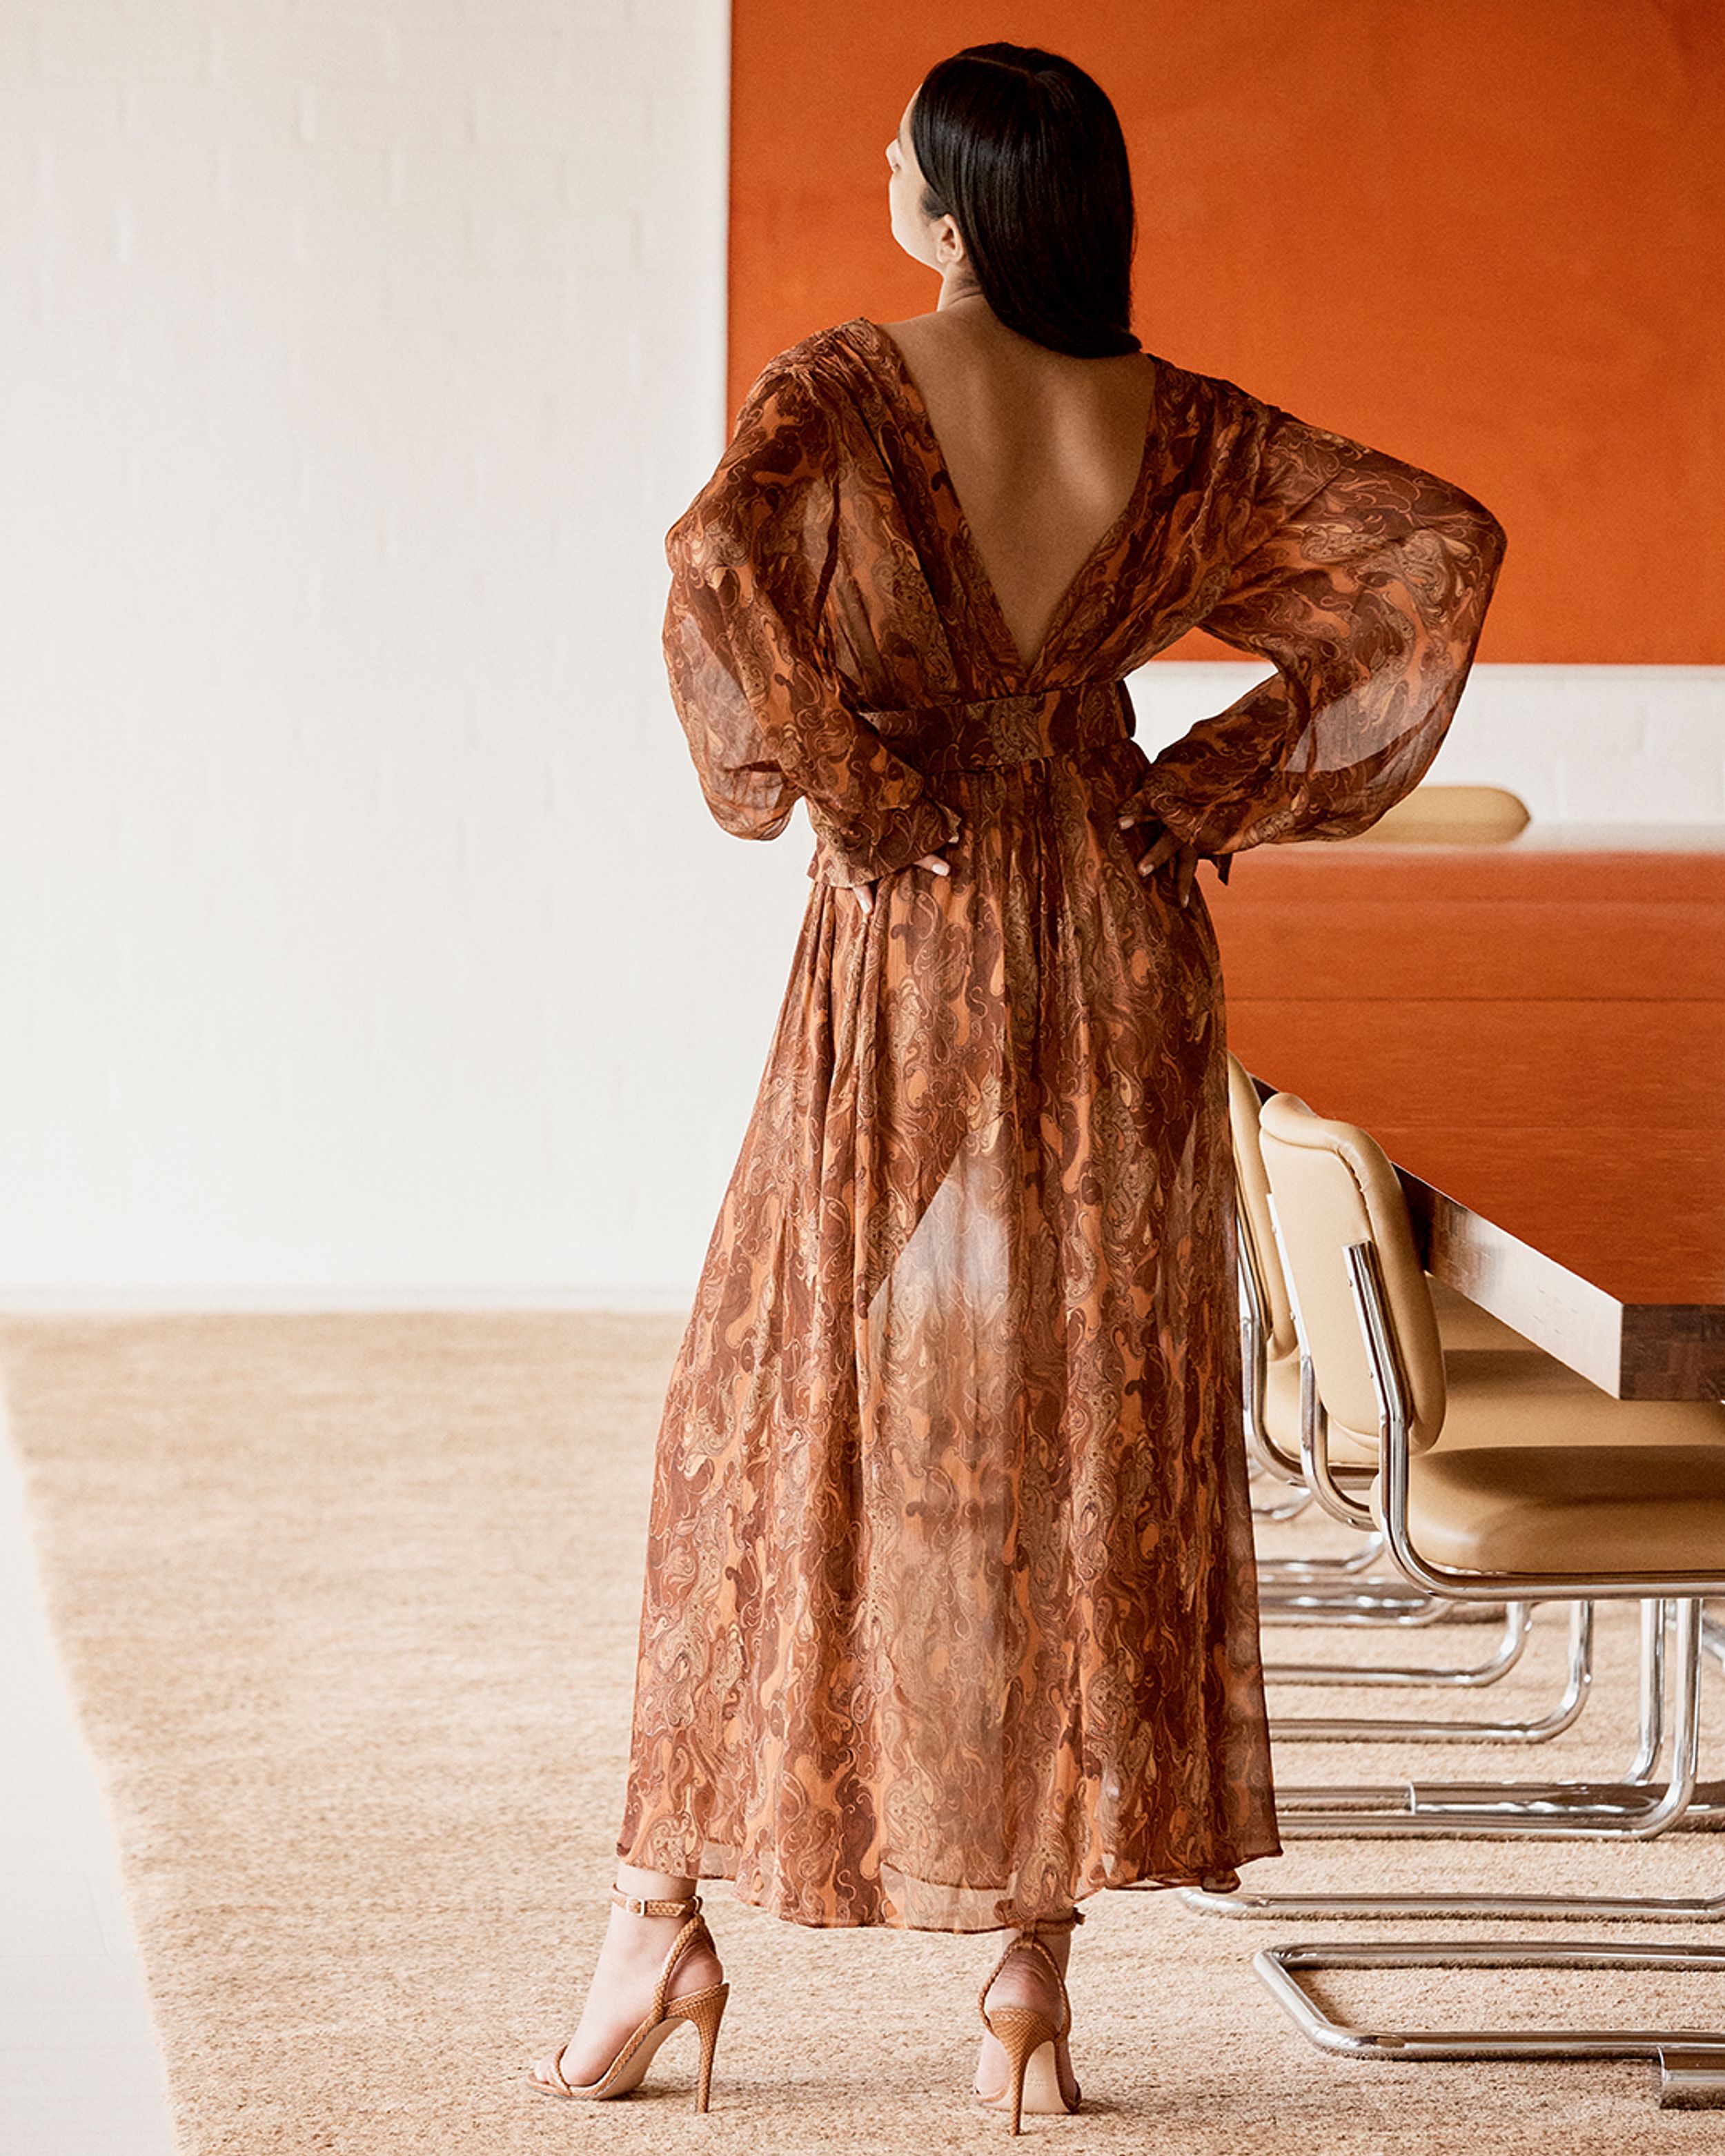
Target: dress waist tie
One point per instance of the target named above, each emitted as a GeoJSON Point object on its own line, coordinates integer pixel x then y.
{"type": "Point", "coordinates": [1077, 720]}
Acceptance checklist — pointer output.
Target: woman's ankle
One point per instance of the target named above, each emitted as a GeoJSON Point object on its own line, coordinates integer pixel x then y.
{"type": "Point", "coordinates": [653, 1886]}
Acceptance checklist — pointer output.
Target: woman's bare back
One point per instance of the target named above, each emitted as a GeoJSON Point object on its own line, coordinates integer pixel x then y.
{"type": "Point", "coordinates": [1043, 450]}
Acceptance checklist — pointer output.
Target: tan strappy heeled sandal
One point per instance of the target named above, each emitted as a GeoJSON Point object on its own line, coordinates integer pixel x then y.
{"type": "Point", "coordinates": [705, 2008]}
{"type": "Point", "coordinates": [1030, 2041]}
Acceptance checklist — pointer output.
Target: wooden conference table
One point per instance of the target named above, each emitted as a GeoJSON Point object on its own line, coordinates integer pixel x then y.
{"type": "Point", "coordinates": [1535, 1032]}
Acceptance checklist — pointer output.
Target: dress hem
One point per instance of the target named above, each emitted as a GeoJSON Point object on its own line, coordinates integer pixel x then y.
{"type": "Point", "coordinates": [1217, 1879]}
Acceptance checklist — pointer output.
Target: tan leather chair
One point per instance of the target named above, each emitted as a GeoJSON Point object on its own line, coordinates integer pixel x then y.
{"type": "Point", "coordinates": [1482, 1490]}
{"type": "Point", "coordinates": [1448, 816]}
{"type": "Point", "coordinates": [1273, 1388]}
{"type": "Point", "coordinates": [1521, 1422]}
{"type": "Point", "coordinates": [1330, 1590]}
{"type": "Point", "coordinates": [1517, 1482]}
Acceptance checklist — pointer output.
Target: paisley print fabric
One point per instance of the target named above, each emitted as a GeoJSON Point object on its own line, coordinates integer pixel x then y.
{"type": "Point", "coordinates": [949, 1617]}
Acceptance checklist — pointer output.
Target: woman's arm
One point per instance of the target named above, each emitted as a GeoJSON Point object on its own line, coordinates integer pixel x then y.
{"type": "Point", "coordinates": [750, 560]}
{"type": "Point", "coordinates": [1366, 580]}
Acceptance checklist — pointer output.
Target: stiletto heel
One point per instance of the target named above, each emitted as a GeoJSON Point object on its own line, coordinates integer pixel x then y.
{"type": "Point", "coordinates": [705, 2009]}
{"type": "Point", "coordinates": [1030, 2041]}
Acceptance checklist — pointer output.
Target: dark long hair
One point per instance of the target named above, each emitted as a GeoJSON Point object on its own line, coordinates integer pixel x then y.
{"type": "Point", "coordinates": [1023, 150]}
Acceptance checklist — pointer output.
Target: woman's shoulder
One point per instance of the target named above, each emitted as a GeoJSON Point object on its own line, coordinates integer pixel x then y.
{"type": "Point", "coordinates": [786, 436]}
{"type": "Point", "coordinates": [820, 345]}
{"type": "Point", "coordinates": [819, 391]}
{"type": "Point", "coordinates": [800, 399]}
{"type": "Point", "coordinates": [835, 354]}
{"type": "Point", "coordinates": [816, 367]}
{"type": "Point", "coordinates": [1213, 399]}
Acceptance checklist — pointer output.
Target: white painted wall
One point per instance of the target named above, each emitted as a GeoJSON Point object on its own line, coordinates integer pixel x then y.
{"type": "Point", "coordinates": [359, 932]}
{"type": "Point", "coordinates": [363, 939]}
{"type": "Point", "coordinates": [1579, 744]}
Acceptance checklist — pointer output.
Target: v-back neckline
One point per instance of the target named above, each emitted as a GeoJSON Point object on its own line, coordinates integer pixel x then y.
{"type": "Point", "coordinates": [911, 399]}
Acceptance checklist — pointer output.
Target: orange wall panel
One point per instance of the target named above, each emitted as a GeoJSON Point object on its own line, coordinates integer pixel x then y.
{"type": "Point", "coordinates": [1485, 236]}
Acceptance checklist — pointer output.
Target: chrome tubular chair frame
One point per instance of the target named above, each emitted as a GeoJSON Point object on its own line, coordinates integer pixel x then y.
{"type": "Point", "coordinates": [1363, 1280]}
{"type": "Point", "coordinates": [1703, 1909]}
{"type": "Point", "coordinates": [1295, 1586]}
{"type": "Point", "coordinates": [1691, 2062]}
{"type": "Point", "coordinates": [1268, 1460]}
{"type": "Point", "coordinates": [1388, 1600]}
{"type": "Point", "coordinates": [1539, 1730]}
{"type": "Point", "coordinates": [1334, 1487]}
{"type": "Point", "coordinates": [1518, 1626]}
{"type": "Point", "coordinates": [1293, 1500]}
{"type": "Point", "coordinates": [1314, 1425]}
{"type": "Point", "coordinates": [1305, 1590]}
{"type": "Point", "coordinates": [1302, 1568]}
{"type": "Point", "coordinates": [1625, 1808]}
{"type": "Point", "coordinates": [1629, 1809]}
{"type": "Point", "coordinates": [1381, 1602]}
{"type": "Point", "coordinates": [1287, 1595]}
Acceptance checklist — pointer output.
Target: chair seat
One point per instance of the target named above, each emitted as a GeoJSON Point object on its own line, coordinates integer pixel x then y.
{"type": "Point", "coordinates": [1520, 1469]}
{"type": "Point", "coordinates": [1468, 1333]}
{"type": "Point", "coordinates": [1648, 1505]}
{"type": "Point", "coordinates": [1524, 1397]}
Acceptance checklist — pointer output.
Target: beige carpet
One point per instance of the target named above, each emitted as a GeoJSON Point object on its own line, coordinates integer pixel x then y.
{"type": "Point", "coordinates": [350, 1607]}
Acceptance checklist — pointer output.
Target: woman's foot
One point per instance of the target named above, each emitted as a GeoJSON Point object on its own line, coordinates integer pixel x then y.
{"type": "Point", "coordinates": [1026, 1980]}
{"type": "Point", "coordinates": [619, 1997]}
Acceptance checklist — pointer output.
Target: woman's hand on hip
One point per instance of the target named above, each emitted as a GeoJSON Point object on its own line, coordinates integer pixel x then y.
{"type": "Point", "coordinates": [864, 893]}
{"type": "Point", "coordinates": [1167, 852]}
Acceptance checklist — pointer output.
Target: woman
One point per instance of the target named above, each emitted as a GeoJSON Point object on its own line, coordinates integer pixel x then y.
{"type": "Point", "coordinates": [949, 1617]}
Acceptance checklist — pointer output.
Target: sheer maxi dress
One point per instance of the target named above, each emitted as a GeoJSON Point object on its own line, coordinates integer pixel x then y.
{"type": "Point", "coordinates": [949, 1617]}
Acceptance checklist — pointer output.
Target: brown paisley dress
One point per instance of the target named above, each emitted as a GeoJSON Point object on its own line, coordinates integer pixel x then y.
{"type": "Point", "coordinates": [950, 1616]}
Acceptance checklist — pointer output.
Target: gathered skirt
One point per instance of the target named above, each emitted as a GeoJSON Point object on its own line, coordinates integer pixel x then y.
{"type": "Point", "coordinates": [949, 1614]}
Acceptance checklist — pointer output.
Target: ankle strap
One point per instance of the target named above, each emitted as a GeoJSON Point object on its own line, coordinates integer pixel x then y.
{"type": "Point", "coordinates": [640, 1905]}
{"type": "Point", "coordinates": [1024, 1940]}
{"type": "Point", "coordinates": [1073, 1916]}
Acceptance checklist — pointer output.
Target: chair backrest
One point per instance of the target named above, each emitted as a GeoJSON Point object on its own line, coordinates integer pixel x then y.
{"type": "Point", "coordinates": [1256, 1228]}
{"type": "Point", "coordinates": [1449, 816]}
{"type": "Point", "coordinates": [1333, 1186]}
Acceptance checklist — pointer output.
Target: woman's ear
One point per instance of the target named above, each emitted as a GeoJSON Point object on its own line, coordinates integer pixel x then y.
{"type": "Point", "coordinates": [949, 243]}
